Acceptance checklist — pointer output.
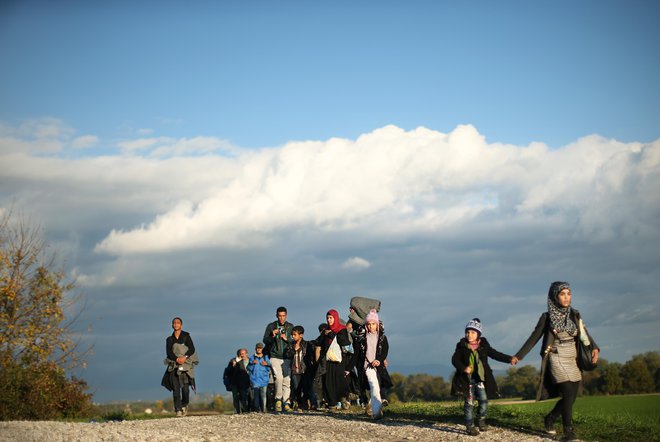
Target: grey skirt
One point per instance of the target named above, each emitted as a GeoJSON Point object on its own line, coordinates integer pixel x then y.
{"type": "Point", "coordinates": [563, 363]}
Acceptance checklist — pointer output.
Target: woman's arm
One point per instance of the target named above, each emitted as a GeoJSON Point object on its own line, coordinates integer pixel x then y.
{"type": "Point", "coordinates": [533, 338]}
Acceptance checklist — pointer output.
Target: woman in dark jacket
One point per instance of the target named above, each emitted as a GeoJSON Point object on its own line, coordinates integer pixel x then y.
{"type": "Point", "coordinates": [474, 376]}
{"type": "Point", "coordinates": [336, 376]}
{"type": "Point", "coordinates": [561, 327]}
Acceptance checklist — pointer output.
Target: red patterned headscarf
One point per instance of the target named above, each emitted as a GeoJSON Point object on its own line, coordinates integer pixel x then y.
{"type": "Point", "coordinates": [336, 325]}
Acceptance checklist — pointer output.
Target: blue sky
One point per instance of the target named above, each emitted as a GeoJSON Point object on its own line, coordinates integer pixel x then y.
{"type": "Point", "coordinates": [450, 158]}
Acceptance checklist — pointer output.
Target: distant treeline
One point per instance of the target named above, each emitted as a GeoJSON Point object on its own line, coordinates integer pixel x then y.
{"type": "Point", "coordinates": [641, 374]}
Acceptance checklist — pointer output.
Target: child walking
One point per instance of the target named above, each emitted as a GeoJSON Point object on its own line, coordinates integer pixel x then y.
{"type": "Point", "coordinates": [373, 351]}
{"type": "Point", "coordinates": [474, 379]}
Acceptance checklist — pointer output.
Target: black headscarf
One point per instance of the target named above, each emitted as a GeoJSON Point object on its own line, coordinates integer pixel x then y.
{"type": "Point", "coordinates": [560, 317]}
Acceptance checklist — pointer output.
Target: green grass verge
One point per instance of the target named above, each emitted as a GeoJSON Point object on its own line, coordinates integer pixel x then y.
{"type": "Point", "coordinates": [602, 418]}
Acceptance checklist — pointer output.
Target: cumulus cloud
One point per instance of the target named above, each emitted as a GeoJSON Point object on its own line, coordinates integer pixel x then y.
{"type": "Point", "coordinates": [396, 182]}
{"type": "Point", "coordinates": [356, 263]}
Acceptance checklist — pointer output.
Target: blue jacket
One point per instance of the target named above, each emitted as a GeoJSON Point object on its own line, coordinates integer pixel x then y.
{"type": "Point", "coordinates": [259, 374]}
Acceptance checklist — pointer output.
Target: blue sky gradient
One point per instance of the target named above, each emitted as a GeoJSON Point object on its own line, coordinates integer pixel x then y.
{"type": "Point", "coordinates": [216, 160]}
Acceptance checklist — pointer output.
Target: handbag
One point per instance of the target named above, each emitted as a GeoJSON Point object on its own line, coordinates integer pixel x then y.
{"type": "Point", "coordinates": [584, 349]}
{"type": "Point", "coordinates": [334, 351]}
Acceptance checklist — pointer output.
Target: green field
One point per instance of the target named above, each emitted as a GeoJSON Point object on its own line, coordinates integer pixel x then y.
{"type": "Point", "coordinates": [602, 418]}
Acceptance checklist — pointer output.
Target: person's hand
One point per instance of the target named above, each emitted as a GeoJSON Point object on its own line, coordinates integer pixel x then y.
{"type": "Point", "coordinates": [594, 355]}
{"type": "Point", "coordinates": [375, 363]}
{"type": "Point", "coordinates": [262, 362]}
{"type": "Point", "coordinates": [283, 336]}
{"type": "Point", "coordinates": [233, 362]}
{"type": "Point", "coordinates": [254, 361]}
{"type": "Point", "coordinates": [468, 370]}
{"type": "Point", "coordinates": [514, 360]}
{"type": "Point", "coordinates": [385, 363]}
{"type": "Point", "coordinates": [275, 332]}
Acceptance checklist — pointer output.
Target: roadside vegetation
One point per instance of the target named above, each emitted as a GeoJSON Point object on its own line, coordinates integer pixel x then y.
{"type": "Point", "coordinates": [596, 418]}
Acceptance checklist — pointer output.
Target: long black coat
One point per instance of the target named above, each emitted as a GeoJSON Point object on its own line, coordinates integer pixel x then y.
{"type": "Point", "coordinates": [461, 360]}
{"type": "Point", "coordinates": [382, 349]}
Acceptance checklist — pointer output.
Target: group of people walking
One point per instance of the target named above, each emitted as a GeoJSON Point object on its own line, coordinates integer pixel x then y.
{"type": "Point", "coordinates": [345, 361]}
{"type": "Point", "coordinates": [348, 360]}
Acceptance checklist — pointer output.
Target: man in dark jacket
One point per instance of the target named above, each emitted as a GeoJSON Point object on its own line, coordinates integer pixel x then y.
{"type": "Point", "coordinates": [179, 380]}
{"type": "Point", "coordinates": [277, 338]}
{"type": "Point", "coordinates": [240, 381]}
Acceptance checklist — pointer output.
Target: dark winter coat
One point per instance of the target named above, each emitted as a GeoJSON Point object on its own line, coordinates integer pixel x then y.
{"type": "Point", "coordinates": [382, 349]}
{"type": "Point", "coordinates": [547, 388]}
{"type": "Point", "coordinates": [239, 377]}
{"type": "Point", "coordinates": [461, 360]}
{"type": "Point", "coordinates": [276, 347]}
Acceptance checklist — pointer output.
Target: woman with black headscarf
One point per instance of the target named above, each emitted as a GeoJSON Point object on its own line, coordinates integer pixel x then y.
{"type": "Point", "coordinates": [561, 327]}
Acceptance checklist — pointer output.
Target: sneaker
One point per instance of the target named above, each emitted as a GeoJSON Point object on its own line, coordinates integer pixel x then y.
{"type": "Point", "coordinates": [345, 405]}
{"type": "Point", "coordinates": [549, 424]}
{"type": "Point", "coordinates": [384, 403]}
{"type": "Point", "coordinates": [471, 430]}
{"type": "Point", "coordinates": [179, 413]}
{"type": "Point", "coordinates": [278, 405]}
{"type": "Point", "coordinates": [184, 411]}
{"type": "Point", "coordinates": [482, 425]}
{"type": "Point", "coordinates": [287, 407]}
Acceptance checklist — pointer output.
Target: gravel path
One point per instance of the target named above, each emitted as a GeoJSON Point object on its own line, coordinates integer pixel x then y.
{"type": "Point", "coordinates": [253, 427]}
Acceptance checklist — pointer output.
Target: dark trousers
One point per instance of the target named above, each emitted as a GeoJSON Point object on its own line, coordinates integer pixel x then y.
{"type": "Point", "coordinates": [181, 391]}
{"type": "Point", "coordinates": [301, 386]}
{"type": "Point", "coordinates": [564, 407]}
{"type": "Point", "coordinates": [241, 399]}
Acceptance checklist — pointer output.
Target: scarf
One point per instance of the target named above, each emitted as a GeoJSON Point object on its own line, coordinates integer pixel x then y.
{"type": "Point", "coordinates": [478, 371]}
{"type": "Point", "coordinates": [336, 326]}
{"type": "Point", "coordinates": [560, 317]}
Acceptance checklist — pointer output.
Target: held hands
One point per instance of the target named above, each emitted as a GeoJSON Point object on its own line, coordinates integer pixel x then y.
{"type": "Point", "coordinates": [375, 363]}
{"type": "Point", "coordinates": [514, 360]}
{"type": "Point", "coordinates": [594, 355]}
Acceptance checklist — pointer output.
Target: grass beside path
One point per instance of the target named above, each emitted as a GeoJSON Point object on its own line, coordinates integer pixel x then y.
{"type": "Point", "coordinates": [601, 418]}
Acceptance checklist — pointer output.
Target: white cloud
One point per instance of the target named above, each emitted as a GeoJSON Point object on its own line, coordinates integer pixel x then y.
{"type": "Point", "coordinates": [356, 263]}
{"type": "Point", "coordinates": [85, 142]}
{"type": "Point", "coordinates": [395, 182]}
{"type": "Point", "coordinates": [162, 147]}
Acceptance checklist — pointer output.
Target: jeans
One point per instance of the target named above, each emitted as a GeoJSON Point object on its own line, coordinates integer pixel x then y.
{"type": "Point", "coordinates": [476, 391]}
{"type": "Point", "coordinates": [260, 398]}
{"type": "Point", "coordinates": [181, 391]}
{"type": "Point", "coordinates": [282, 375]}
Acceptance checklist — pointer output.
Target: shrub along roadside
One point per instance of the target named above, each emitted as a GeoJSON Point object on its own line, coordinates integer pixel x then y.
{"type": "Point", "coordinates": [41, 392]}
